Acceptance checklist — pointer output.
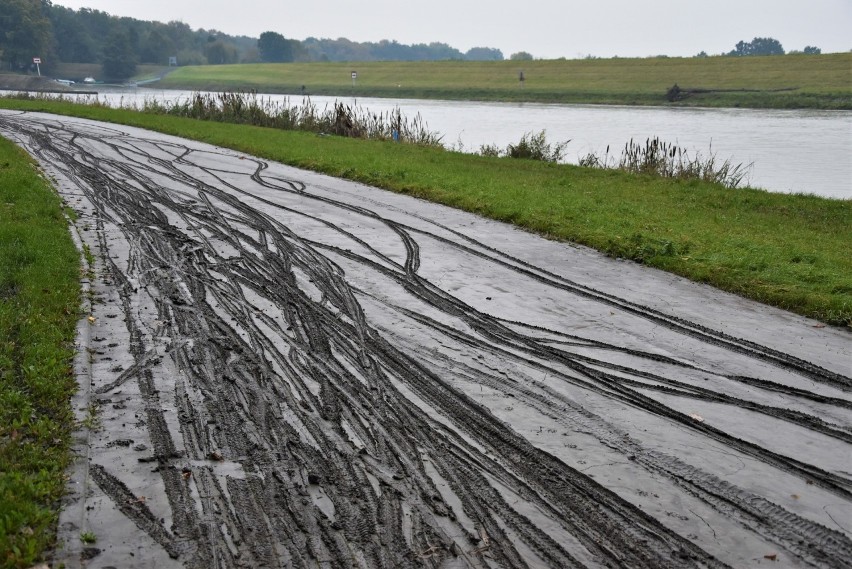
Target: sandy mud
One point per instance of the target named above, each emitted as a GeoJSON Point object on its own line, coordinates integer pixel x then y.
{"type": "Point", "coordinates": [282, 369]}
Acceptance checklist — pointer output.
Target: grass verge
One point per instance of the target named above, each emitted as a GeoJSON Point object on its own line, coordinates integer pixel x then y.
{"type": "Point", "coordinates": [39, 293]}
{"type": "Point", "coordinates": [789, 81]}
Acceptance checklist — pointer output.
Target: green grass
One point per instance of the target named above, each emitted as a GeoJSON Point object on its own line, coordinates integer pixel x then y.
{"type": "Point", "coordinates": [39, 291]}
{"type": "Point", "coordinates": [790, 81]}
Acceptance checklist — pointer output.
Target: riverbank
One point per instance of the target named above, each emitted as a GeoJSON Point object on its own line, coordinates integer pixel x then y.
{"type": "Point", "coordinates": [784, 250]}
{"type": "Point", "coordinates": [16, 82]}
{"type": "Point", "coordinates": [781, 82]}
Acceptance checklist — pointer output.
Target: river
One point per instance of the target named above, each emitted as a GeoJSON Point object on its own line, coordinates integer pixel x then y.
{"type": "Point", "coordinates": [788, 150]}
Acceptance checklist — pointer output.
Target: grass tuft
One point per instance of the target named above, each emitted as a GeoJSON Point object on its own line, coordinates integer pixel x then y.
{"type": "Point", "coordinates": [668, 160]}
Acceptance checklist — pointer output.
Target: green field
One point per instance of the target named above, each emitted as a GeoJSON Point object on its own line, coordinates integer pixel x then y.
{"type": "Point", "coordinates": [789, 81]}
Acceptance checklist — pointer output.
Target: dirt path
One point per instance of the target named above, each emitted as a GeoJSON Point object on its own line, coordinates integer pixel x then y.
{"type": "Point", "coordinates": [288, 370]}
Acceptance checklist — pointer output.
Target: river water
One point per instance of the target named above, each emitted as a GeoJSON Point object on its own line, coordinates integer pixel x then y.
{"type": "Point", "coordinates": [789, 150]}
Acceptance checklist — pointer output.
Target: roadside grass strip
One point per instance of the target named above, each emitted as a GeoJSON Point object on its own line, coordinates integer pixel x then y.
{"type": "Point", "coordinates": [39, 293]}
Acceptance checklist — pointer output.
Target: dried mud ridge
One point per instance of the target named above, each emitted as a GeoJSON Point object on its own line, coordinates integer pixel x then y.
{"type": "Point", "coordinates": [353, 446]}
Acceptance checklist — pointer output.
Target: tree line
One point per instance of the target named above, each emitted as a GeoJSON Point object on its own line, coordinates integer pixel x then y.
{"type": "Point", "coordinates": [56, 34]}
{"type": "Point", "coordinates": [763, 46]}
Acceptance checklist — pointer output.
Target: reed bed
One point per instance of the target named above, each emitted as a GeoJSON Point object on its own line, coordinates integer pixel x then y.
{"type": "Point", "coordinates": [660, 158]}
{"type": "Point", "coordinates": [533, 146]}
{"type": "Point", "coordinates": [338, 119]}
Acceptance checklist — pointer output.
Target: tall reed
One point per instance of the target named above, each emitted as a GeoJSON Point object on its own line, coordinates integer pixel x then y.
{"type": "Point", "coordinates": [338, 119]}
{"type": "Point", "coordinates": [669, 160]}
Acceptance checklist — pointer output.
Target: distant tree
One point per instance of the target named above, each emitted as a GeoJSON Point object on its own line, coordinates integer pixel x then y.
{"type": "Point", "coordinates": [98, 25]}
{"type": "Point", "coordinates": [119, 58]}
{"type": "Point", "coordinates": [441, 51]}
{"type": "Point", "coordinates": [702, 54]}
{"type": "Point", "coordinates": [74, 43]}
{"type": "Point", "coordinates": [158, 47]}
{"type": "Point", "coordinates": [219, 51]}
{"type": "Point", "coordinates": [387, 50]}
{"type": "Point", "coordinates": [758, 46]}
{"type": "Point", "coordinates": [766, 46]}
{"type": "Point", "coordinates": [180, 34]}
{"type": "Point", "coordinates": [25, 32]}
{"type": "Point", "coordinates": [521, 56]}
{"type": "Point", "coordinates": [191, 57]}
{"type": "Point", "coordinates": [275, 48]}
{"type": "Point", "coordinates": [483, 54]}
{"type": "Point", "coordinates": [812, 50]}
{"type": "Point", "coordinates": [250, 56]}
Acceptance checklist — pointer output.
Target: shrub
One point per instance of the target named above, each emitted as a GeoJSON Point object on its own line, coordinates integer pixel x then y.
{"type": "Point", "coordinates": [535, 147]}
{"type": "Point", "coordinates": [668, 160]}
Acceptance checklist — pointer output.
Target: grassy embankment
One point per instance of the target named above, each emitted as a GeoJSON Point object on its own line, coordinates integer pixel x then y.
{"type": "Point", "coordinates": [790, 81]}
{"type": "Point", "coordinates": [785, 250]}
{"type": "Point", "coordinates": [39, 289]}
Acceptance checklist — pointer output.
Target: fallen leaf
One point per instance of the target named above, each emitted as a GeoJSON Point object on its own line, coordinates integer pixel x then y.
{"type": "Point", "coordinates": [819, 325]}
{"type": "Point", "coordinates": [91, 319]}
{"type": "Point", "coordinates": [771, 556]}
{"type": "Point", "coordinates": [794, 496]}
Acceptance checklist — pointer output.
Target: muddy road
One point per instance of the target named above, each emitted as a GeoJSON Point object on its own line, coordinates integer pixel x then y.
{"type": "Point", "coordinates": [283, 369]}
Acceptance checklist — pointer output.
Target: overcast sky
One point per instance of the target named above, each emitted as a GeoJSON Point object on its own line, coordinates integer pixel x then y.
{"type": "Point", "coordinates": [545, 28]}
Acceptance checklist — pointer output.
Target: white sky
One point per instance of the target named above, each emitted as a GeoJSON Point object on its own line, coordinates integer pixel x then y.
{"type": "Point", "coordinates": [545, 28]}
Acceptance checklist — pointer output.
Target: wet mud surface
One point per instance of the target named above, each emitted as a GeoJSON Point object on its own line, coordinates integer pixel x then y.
{"type": "Point", "coordinates": [282, 369]}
